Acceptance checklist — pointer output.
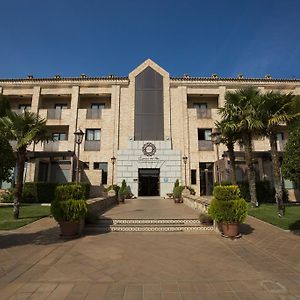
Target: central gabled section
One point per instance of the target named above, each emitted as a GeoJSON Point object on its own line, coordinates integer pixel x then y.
{"type": "Point", "coordinates": [149, 106]}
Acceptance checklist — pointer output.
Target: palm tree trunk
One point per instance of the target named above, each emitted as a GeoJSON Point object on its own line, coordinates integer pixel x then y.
{"type": "Point", "coordinates": [230, 147]}
{"type": "Point", "coordinates": [250, 168]}
{"type": "Point", "coordinates": [21, 155]}
{"type": "Point", "coordinates": [278, 183]}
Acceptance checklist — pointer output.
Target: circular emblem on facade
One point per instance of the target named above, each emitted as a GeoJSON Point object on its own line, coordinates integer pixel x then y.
{"type": "Point", "coordinates": [149, 149]}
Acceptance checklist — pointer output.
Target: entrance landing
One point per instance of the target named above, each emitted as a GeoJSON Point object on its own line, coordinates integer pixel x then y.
{"type": "Point", "coordinates": [151, 208]}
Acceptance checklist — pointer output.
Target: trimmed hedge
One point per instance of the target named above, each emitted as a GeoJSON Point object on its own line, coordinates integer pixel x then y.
{"type": "Point", "coordinates": [44, 192]}
{"type": "Point", "coordinates": [227, 193]}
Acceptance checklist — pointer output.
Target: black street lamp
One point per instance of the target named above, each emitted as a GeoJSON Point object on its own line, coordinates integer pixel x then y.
{"type": "Point", "coordinates": [216, 138]}
{"type": "Point", "coordinates": [185, 158]}
{"type": "Point", "coordinates": [78, 140]}
{"type": "Point", "coordinates": [113, 161]}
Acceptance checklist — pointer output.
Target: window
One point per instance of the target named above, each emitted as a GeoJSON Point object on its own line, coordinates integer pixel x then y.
{"type": "Point", "coordinates": [59, 136]}
{"type": "Point", "coordinates": [193, 177]}
{"type": "Point", "coordinates": [92, 135]}
{"type": "Point", "coordinates": [102, 166]}
{"type": "Point", "coordinates": [97, 105]}
{"type": "Point", "coordinates": [61, 106]}
{"type": "Point", "coordinates": [204, 134]}
{"type": "Point", "coordinates": [200, 106]}
{"type": "Point", "coordinates": [24, 107]}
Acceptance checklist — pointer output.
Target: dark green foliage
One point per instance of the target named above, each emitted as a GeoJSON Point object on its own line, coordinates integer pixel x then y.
{"type": "Point", "coordinates": [44, 192]}
{"type": "Point", "coordinates": [205, 218]}
{"type": "Point", "coordinates": [177, 192]}
{"type": "Point", "coordinates": [228, 207]}
{"type": "Point", "coordinates": [123, 191]}
{"type": "Point", "coordinates": [66, 191]}
{"type": "Point", "coordinates": [69, 210]}
{"type": "Point", "coordinates": [176, 183]}
{"type": "Point", "coordinates": [226, 193]}
{"type": "Point", "coordinates": [7, 159]}
{"type": "Point", "coordinates": [291, 160]}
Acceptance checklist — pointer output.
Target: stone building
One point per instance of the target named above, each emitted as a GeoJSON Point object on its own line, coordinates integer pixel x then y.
{"type": "Point", "coordinates": [148, 121]}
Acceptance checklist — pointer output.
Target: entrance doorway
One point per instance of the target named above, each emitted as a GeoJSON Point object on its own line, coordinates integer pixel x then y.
{"type": "Point", "coordinates": [148, 182]}
{"type": "Point", "coordinates": [206, 179]}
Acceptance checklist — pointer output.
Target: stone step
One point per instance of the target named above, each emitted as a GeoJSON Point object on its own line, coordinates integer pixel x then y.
{"type": "Point", "coordinates": [148, 228]}
{"type": "Point", "coordinates": [179, 222]}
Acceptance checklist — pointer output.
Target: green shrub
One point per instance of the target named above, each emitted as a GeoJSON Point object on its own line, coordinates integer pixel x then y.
{"type": "Point", "coordinates": [123, 191]}
{"type": "Point", "coordinates": [69, 210]}
{"type": "Point", "coordinates": [69, 191]}
{"type": "Point", "coordinates": [44, 192]}
{"type": "Point", "coordinates": [226, 193]}
{"type": "Point", "coordinates": [115, 187]}
{"type": "Point", "coordinates": [232, 211]}
{"type": "Point", "coordinates": [177, 192]}
{"type": "Point", "coordinates": [176, 183]}
{"type": "Point", "coordinates": [205, 218]}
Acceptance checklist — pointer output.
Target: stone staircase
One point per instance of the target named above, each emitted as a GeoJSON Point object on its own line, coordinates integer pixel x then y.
{"type": "Point", "coordinates": [147, 225]}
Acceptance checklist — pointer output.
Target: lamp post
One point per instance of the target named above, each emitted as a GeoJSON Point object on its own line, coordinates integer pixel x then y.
{"type": "Point", "coordinates": [113, 161]}
{"type": "Point", "coordinates": [185, 158]}
{"type": "Point", "coordinates": [216, 138]}
{"type": "Point", "coordinates": [78, 139]}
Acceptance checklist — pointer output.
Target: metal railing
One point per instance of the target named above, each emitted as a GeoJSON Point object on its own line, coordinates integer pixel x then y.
{"type": "Point", "coordinates": [205, 145]}
{"type": "Point", "coordinates": [204, 113]}
{"type": "Point", "coordinates": [92, 145]}
{"type": "Point", "coordinates": [92, 113]}
{"type": "Point", "coordinates": [53, 114]}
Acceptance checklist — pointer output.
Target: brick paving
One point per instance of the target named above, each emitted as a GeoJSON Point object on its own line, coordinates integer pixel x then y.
{"type": "Point", "coordinates": [36, 264]}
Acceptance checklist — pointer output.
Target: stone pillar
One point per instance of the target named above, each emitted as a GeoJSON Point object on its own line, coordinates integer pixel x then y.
{"type": "Point", "coordinates": [222, 92]}
{"type": "Point", "coordinates": [1, 90]}
{"type": "Point", "coordinates": [73, 115]}
{"type": "Point", "coordinates": [35, 101]}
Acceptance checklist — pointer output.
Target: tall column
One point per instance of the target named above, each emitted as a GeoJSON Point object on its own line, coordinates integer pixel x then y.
{"type": "Point", "coordinates": [35, 101]}
{"type": "Point", "coordinates": [73, 115]}
{"type": "Point", "coordinates": [222, 92]}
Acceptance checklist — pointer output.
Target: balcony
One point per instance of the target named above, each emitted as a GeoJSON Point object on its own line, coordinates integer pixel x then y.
{"type": "Point", "coordinates": [204, 113]}
{"type": "Point", "coordinates": [92, 145]}
{"type": "Point", "coordinates": [20, 111]}
{"type": "Point", "coordinates": [205, 145]}
{"type": "Point", "coordinates": [55, 146]}
{"type": "Point", "coordinates": [54, 114]}
{"type": "Point", "coordinates": [92, 113]}
{"type": "Point", "coordinates": [281, 144]}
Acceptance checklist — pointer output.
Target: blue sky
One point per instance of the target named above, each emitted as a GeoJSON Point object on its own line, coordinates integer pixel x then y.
{"type": "Point", "coordinates": [226, 37]}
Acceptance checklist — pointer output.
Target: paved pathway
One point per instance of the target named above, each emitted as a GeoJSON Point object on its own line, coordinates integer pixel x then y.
{"type": "Point", "coordinates": [36, 264]}
{"type": "Point", "coordinates": [151, 208]}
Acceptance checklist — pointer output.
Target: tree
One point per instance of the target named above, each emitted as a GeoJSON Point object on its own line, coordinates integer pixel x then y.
{"type": "Point", "coordinates": [291, 160]}
{"type": "Point", "coordinates": [228, 137]}
{"type": "Point", "coordinates": [25, 129]}
{"type": "Point", "coordinates": [4, 105]}
{"type": "Point", "coordinates": [277, 109]}
{"type": "Point", "coordinates": [241, 109]}
{"type": "Point", "coordinates": [7, 159]}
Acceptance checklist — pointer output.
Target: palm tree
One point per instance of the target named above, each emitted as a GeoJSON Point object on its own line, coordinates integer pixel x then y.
{"type": "Point", "coordinates": [228, 137]}
{"type": "Point", "coordinates": [277, 109]}
{"type": "Point", "coordinates": [241, 109]}
{"type": "Point", "coordinates": [4, 105]}
{"type": "Point", "coordinates": [25, 129]}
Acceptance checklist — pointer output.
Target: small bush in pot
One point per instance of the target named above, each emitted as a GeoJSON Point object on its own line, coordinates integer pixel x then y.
{"type": "Point", "coordinates": [228, 208]}
{"type": "Point", "coordinates": [122, 193]}
{"type": "Point", "coordinates": [205, 219]}
{"type": "Point", "coordinates": [177, 194]}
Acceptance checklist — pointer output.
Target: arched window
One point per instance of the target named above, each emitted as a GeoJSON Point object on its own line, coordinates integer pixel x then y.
{"type": "Point", "coordinates": [149, 106]}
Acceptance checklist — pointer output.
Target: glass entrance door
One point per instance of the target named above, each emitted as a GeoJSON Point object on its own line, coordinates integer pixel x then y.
{"type": "Point", "coordinates": [148, 182]}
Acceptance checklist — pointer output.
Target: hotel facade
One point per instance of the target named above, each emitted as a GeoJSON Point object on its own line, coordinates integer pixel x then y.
{"type": "Point", "coordinates": [147, 121]}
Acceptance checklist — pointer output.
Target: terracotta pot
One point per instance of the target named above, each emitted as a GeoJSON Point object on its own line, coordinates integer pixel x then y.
{"type": "Point", "coordinates": [69, 229]}
{"type": "Point", "coordinates": [177, 200]}
{"type": "Point", "coordinates": [230, 230]}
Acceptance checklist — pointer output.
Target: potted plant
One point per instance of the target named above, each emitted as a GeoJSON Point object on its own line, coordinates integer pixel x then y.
{"type": "Point", "coordinates": [177, 194]}
{"type": "Point", "coordinates": [228, 209]}
{"type": "Point", "coordinates": [69, 209]}
{"type": "Point", "coordinates": [205, 219]}
{"type": "Point", "coordinates": [122, 193]}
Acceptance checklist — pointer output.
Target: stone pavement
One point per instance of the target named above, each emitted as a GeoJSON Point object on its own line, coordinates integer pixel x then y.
{"type": "Point", "coordinates": [36, 264]}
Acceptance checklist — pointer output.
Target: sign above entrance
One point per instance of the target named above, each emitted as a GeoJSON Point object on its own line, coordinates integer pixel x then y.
{"type": "Point", "coordinates": [149, 149]}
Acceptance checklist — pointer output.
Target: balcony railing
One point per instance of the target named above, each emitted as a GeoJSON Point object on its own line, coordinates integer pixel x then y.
{"type": "Point", "coordinates": [205, 145]}
{"type": "Point", "coordinates": [280, 145]}
{"type": "Point", "coordinates": [204, 113]}
{"type": "Point", "coordinates": [54, 146]}
{"type": "Point", "coordinates": [92, 145]}
{"type": "Point", "coordinates": [92, 113]}
{"type": "Point", "coordinates": [20, 111]}
{"type": "Point", "coordinates": [54, 114]}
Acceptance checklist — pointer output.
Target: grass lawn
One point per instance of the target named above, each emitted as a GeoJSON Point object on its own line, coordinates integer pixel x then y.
{"type": "Point", "coordinates": [28, 214]}
{"type": "Point", "coordinates": [268, 213]}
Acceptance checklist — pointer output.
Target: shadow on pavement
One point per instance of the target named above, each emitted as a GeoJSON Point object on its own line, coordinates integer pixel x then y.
{"type": "Point", "coordinates": [246, 229]}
